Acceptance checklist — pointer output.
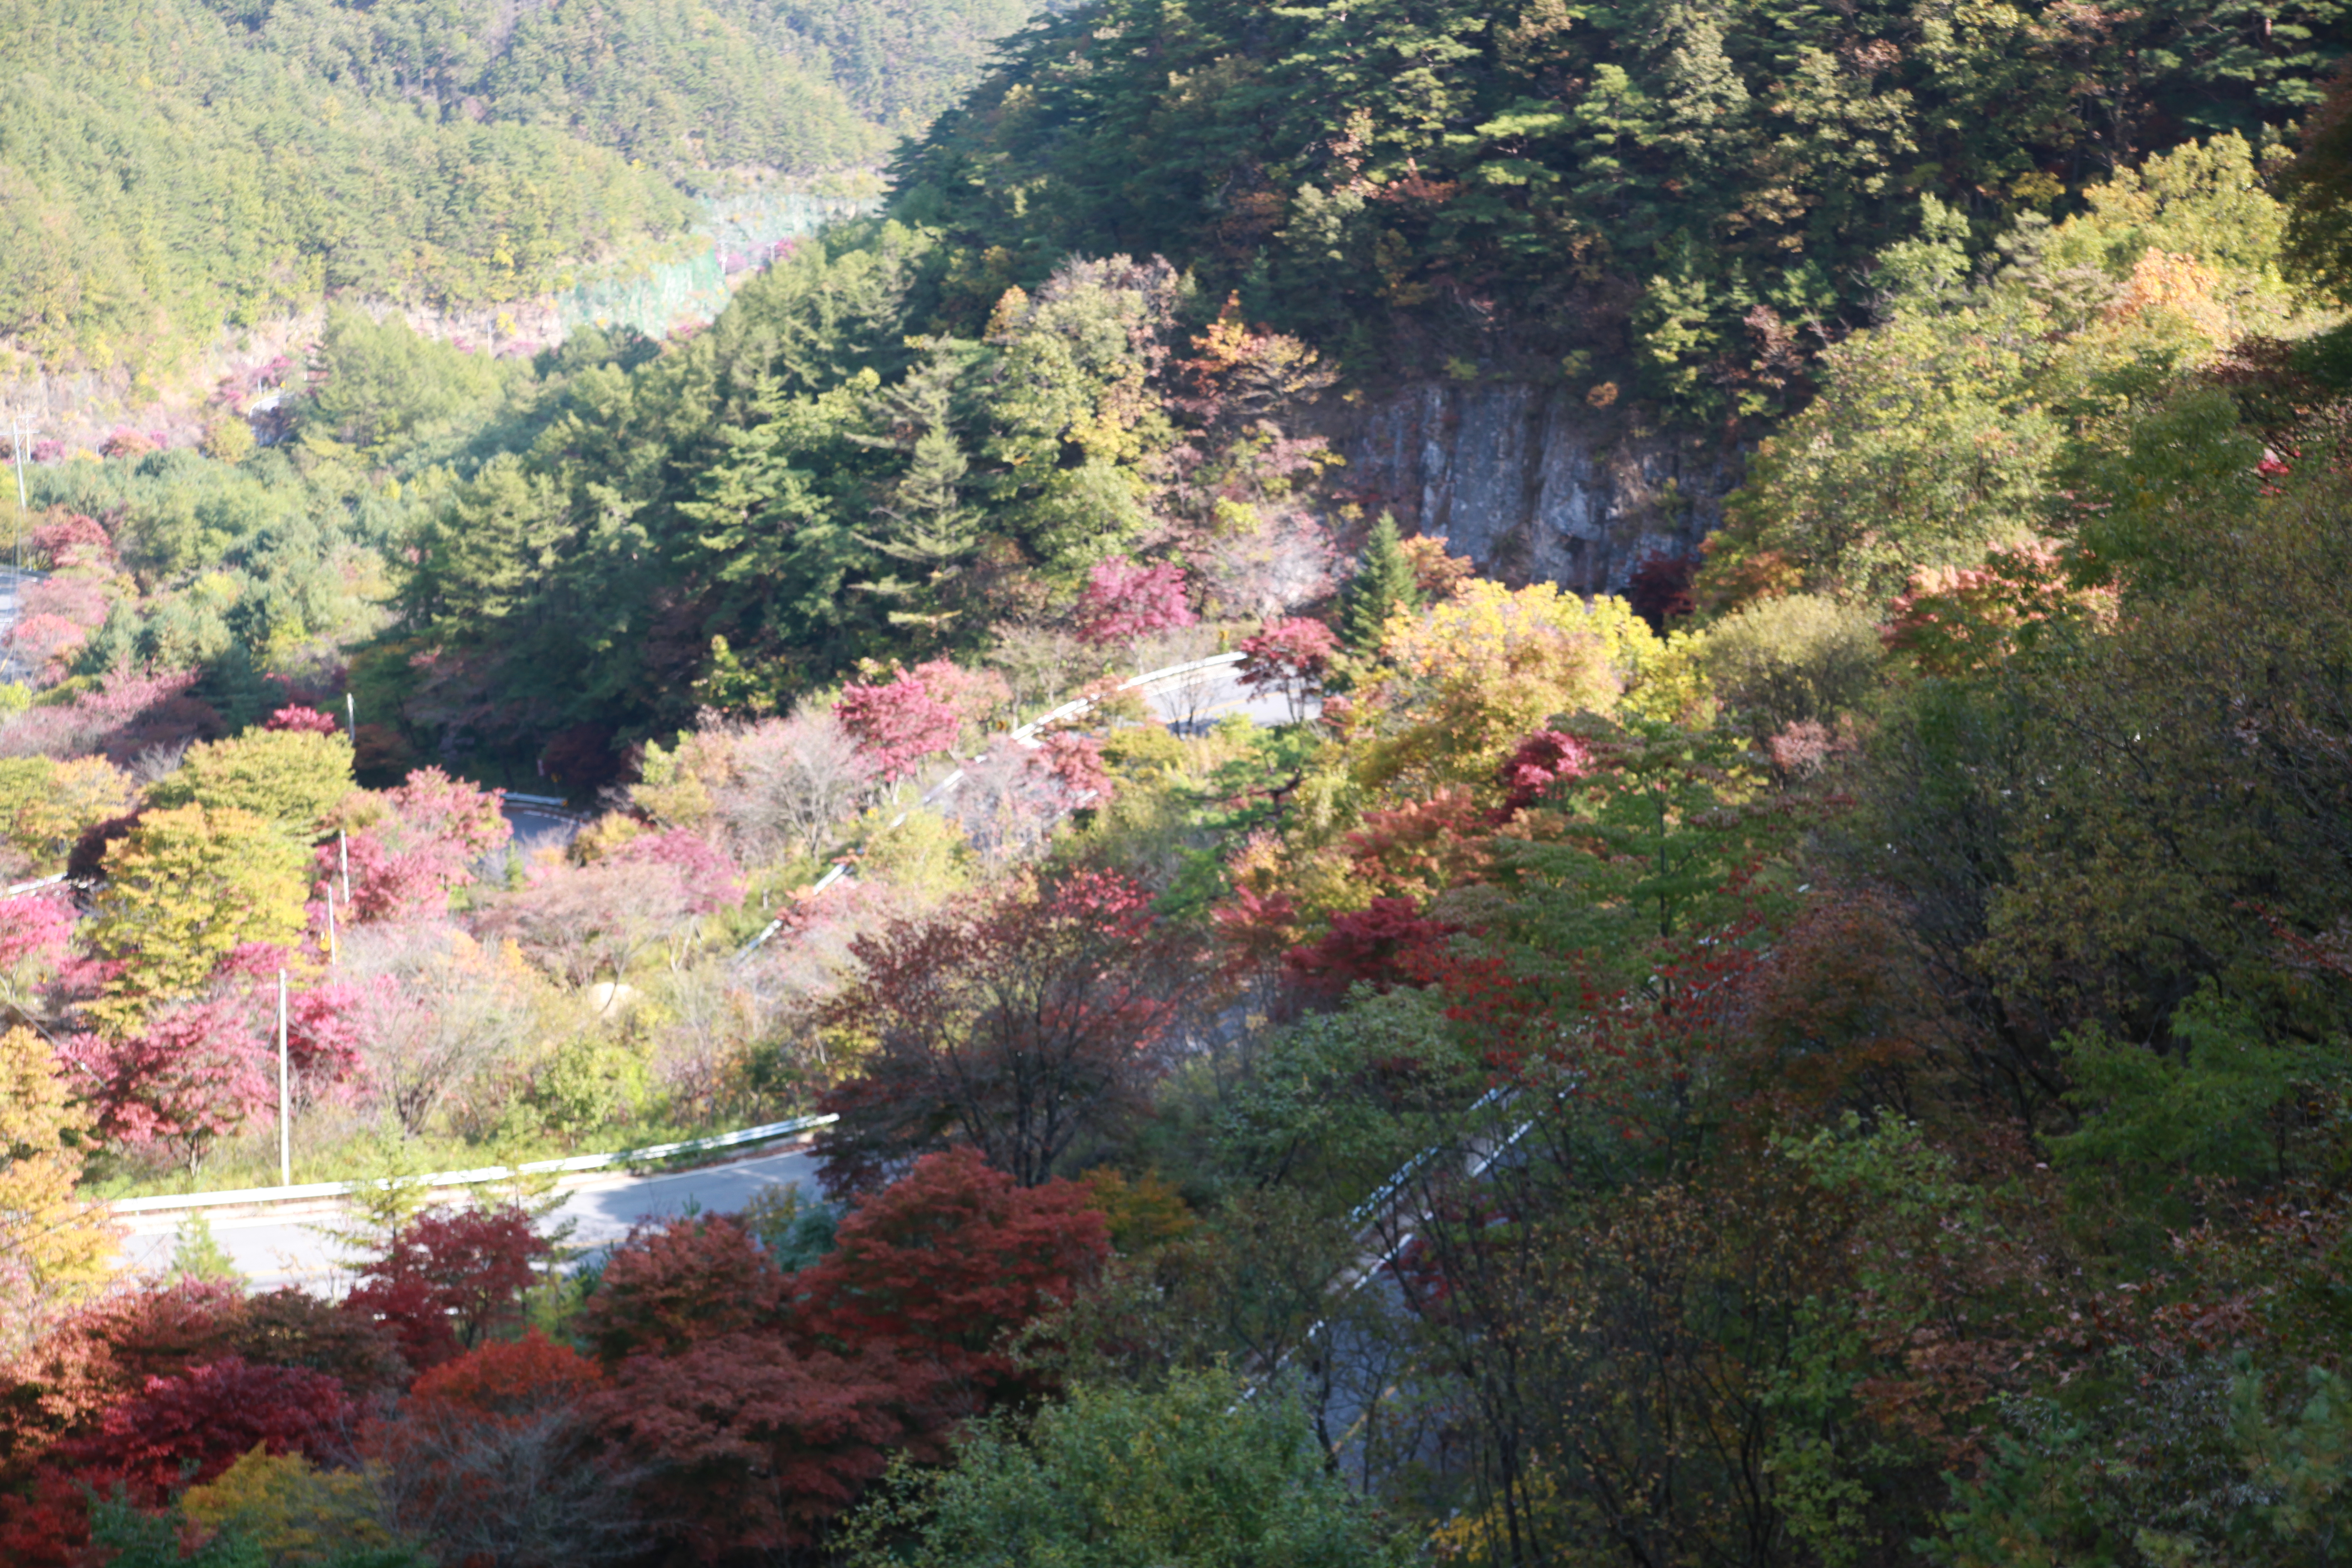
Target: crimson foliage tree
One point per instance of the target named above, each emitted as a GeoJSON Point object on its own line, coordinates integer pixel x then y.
{"type": "Point", "coordinates": [945, 1263]}
{"type": "Point", "coordinates": [746, 1448]}
{"type": "Point", "coordinates": [107, 1352]}
{"type": "Point", "coordinates": [447, 1280]}
{"type": "Point", "coordinates": [302, 721]}
{"type": "Point", "coordinates": [181, 1430]}
{"type": "Point", "coordinates": [671, 1287]}
{"type": "Point", "coordinates": [897, 723]}
{"type": "Point", "coordinates": [1018, 1025]}
{"type": "Point", "coordinates": [743, 1437]}
{"type": "Point", "coordinates": [492, 1459]}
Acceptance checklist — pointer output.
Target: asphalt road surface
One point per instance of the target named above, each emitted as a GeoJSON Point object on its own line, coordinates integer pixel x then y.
{"type": "Point", "coordinates": [1190, 707]}
{"type": "Point", "coordinates": [535, 827]}
{"type": "Point", "coordinates": [274, 1249]}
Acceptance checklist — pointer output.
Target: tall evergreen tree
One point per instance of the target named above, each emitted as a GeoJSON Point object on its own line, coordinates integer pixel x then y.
{"type": "Point", "coordinates": [925, 524]}
{"type": "Point", "coordinates": [1384, 585]}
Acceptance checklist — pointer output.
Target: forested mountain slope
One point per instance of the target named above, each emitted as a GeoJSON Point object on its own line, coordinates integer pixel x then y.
{"type": "Point", "coordinates": [1838, 1057]}
{"type": "Point", "coordinates": [1678, 193]}
{"type": "Point", "coordinates": [171, 166]}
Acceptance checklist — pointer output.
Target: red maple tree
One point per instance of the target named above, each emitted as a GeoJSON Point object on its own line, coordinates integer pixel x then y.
{"type": "Point", "coordinates": [180, 1431]}
{"type": "Point", "coordinates": [746, 1448]}
{"type": "Point", "coordinates": [945, 1263]}
{"type": "Point", "coordinates": [492, 1457]}
{"type": "Point", "coordinates": [1384, 944]}
{"type": "Point", "coordinates": [1016, 1026]}
{"type": "Point", "coordinates": [446, 1281]}
{"type": "Point", "coordinates": [669, 1287]}
{"type": "Point", "coordinates": [1290, 657]}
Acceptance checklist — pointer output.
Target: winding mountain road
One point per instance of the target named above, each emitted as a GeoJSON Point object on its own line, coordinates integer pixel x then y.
{"type": "Point", "coordinates": [287, 1243]}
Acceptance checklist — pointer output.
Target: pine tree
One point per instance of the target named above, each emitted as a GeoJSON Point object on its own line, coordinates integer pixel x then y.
{"type": "Point", "coordinates": [925, 525]}
{"type": "Point", "coordinates": [1384, 585]}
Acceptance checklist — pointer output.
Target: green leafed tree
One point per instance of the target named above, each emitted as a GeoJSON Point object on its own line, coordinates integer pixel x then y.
{"type": "Point", "coordinates": [289, 778]}
{"type": "Point", "coordinates": [1198, 1474]}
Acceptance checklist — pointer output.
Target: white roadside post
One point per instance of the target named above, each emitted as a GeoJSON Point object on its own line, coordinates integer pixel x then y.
{"type": "Point", "coordinates": [285, 1099]}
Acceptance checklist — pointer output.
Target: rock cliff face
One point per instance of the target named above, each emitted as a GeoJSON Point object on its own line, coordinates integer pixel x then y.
{"type": "Point", "coordinates": [1531, 482]}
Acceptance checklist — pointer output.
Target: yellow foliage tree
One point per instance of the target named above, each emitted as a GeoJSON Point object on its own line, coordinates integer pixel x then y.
{"type": "Point", "coordinates": [52, 1248]}
{"type": "Point", "coordinates": [1480, 670]}
{"type": "Point", "coordinates": [680, 787]}
{"type": "Point", "coordinates": [45, 805]}
{"type": "Point", "coordinates": [291, 778]}
{"type": "Point", "coordinates": [182, 890]}
{"type": "Point", "coordinates": [294, 1512]}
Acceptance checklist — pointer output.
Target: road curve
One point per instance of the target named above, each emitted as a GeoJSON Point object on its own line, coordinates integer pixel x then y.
{"type": "Point", "coordinates": [282, 1248]}
{"type": "Point", "coordinates": [291, 1248]}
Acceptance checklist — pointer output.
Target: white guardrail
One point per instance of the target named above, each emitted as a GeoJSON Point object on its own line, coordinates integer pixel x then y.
{"type": "Point", "coordinates": [544, 806]}
{"type": "Point", "coordinates": [1074, 707]}
{"type": "Point", "coordinates": [759, 1134]}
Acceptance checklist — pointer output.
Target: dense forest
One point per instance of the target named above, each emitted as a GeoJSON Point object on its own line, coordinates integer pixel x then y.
{"type": "Point", "coordinates": [1835, 1055]}
{"type": "Point", "coordinates": [1667, 193]}
{"type": "Point", "coordinates": [171, 168]}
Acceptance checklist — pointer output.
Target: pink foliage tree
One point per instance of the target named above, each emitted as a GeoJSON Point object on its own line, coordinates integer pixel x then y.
{"type": "Point", "coordinates": [324, 1033]}
{"type": "Point", "coordinates": [1290, 657]}
{"type": "Point", "coordinates": [45, 640]}
{"type": "Point", "coordinates": [1074, 763]}
{"type": "Point", "coordinates": [897, 723]}
{"type": "Point", "coordinates": [707, 875]}
{"type": "Point", "coordinates": [77, 598]}
{"type": "Point", "coordinates": [1542, 760]}
{"type": "Point", "coordinates": [1123, 601]}
{"type": "Point", "coordinates": [34, 931]}
{"type": "Point", "coordinates": [974, 694]}
{"type": "Point", "coordinates": [302, 721]}
{"type": "Point", "coordinates": [125, 716]}
{"type": "Point", "coordinates": [57, 615]}
{"type": "Point", "coordinates": [76, 541]}
{"type": "Point", "coordinates": [1007, 803]}
{"type": "Point", "coordinates": [408, 861]}
{"type": "Point", "coordinates": [197, 1070]}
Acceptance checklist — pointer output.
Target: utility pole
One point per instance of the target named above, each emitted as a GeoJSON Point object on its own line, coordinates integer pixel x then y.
{"type": "Point", "coordinates": [285, 1098]}
{"type": "Point", "coordinates": [16, 449]}
{"type": "Point", "coordinates": [351, 712]}
{"type": "Point", "coordinates": [344, 849]}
